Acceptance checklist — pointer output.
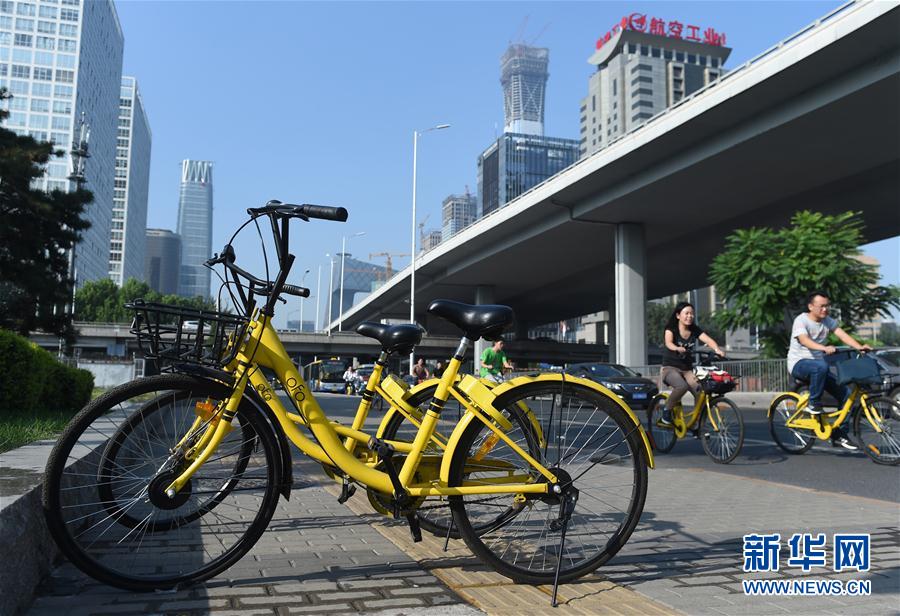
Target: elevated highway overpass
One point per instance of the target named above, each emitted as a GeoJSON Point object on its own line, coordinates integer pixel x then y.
{"type": "Point", "coordinates": [812, 123]}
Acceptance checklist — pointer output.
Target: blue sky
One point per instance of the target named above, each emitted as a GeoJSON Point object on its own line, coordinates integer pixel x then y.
{"type": "Point", "coordinates": [317, 102]}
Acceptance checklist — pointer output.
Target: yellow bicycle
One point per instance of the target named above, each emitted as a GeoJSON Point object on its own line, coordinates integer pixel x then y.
{"type": "Point", "coordinates": [168, 480]}
{"type": "Point", "coordinates": [876, 423]}
{"type": "Point", "coordinates": [715, 419]}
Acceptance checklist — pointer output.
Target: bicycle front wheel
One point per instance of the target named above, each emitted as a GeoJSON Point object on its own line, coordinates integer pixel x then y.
{"type": "Point", "coordinates": [104, 490]}
{"type": "Point", "coordinates": [791, 440]}
{"type": "Point", "coordinates": [880, 436]}
{"type": "Point", "coordinates": [722, 431]}
{"type": "Point", "coordinates": [662, 437]}
{"type": "Point", "coordinates": [590, 443]}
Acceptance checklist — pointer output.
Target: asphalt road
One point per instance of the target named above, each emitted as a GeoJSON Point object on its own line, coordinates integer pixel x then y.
{"type": "Point", "coordinates": [823, 467]}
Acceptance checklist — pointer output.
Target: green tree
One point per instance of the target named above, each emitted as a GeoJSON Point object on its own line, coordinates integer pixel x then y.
{"type": "Point", "coordinates": [657, 315]}
{"type": "Point", "coordinates": [764, 275]}
{"type": "Point", "coordinates": [103, 302]}
{"type": "Point", "coordinates": [37, 231]}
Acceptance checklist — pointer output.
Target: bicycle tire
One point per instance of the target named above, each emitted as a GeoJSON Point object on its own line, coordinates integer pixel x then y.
{"type": "Point", "coordinates": [881, 447]}
{"type": "Point", "coordinates": [794, 442]}
{"type": "Point", "coordinates": [133, 426]}
{"type": "Point", "coordinates": [723, 444]}
{"type": "Point", "coordinates": [157, 554]}
{"type": "Point", "coordinates": [593, 538]}
{"type": "Point", "coordinates": [662, 439]}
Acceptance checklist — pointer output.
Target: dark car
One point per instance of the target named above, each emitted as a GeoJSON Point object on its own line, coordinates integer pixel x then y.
{"type": "Point", "coordinates": [629, 385]}
{"type": "Point", "coordinates": [889, 360]}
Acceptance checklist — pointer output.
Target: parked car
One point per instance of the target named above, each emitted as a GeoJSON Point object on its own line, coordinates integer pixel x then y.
{"type": "Point", "coordinates": [889, 360]}
{"type": "Point", "coordinates": [629, 385]}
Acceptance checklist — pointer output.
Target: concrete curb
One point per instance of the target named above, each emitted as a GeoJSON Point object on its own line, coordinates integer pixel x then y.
{"type": "Point", "coordinates": [28, 552]}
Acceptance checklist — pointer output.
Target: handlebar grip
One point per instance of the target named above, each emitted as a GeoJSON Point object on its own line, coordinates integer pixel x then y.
{"type": "Point", "coordinates": [295, 290]}
{"type": "Point", "coordinates": [324, 212]}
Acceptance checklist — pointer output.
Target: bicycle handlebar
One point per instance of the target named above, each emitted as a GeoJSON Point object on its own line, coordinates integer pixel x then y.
{"type": "Point", "coordinates": [305, 211]}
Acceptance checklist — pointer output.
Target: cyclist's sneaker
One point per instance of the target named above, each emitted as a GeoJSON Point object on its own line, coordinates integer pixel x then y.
{"type": "Point", "coordinates": [841, 440]}
{"type": "Point", "coordinates": [815, 409]}
{"type": "Point", "coordinates": [665, 418]}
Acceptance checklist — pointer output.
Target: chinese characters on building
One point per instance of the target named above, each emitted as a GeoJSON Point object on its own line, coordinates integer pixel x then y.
{"type": "Point", "coordinates": [640, 22]}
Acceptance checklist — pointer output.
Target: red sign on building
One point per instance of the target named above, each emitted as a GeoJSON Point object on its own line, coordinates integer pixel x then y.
{"type": "Point", "coordinates": [640, 22]}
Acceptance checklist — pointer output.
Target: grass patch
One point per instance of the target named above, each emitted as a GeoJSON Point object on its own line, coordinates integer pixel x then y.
{"type": "Point", "coordinates": [20, 429]}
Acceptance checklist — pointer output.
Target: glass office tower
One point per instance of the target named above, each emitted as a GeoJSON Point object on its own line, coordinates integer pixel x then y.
{"type": "Point", "coordinates": [195, 212]}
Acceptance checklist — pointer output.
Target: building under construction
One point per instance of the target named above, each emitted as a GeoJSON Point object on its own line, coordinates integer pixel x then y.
{"type": "Point", "coordinates": [523, 75]}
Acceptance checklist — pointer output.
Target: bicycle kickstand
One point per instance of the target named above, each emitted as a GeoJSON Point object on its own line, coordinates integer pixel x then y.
{"type": "Point", "coordinates": [566, 507]}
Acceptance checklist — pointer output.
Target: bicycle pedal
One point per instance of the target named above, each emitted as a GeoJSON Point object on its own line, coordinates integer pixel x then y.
{"type": "Point", "coordinates": [382, 449]}
{"type": "Point", "coordinates": [414, 527]}
{"type": "Point", "coordinates": [347, 490]}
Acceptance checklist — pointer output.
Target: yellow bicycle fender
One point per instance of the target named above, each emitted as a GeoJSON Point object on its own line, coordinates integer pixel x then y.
{"type": "Point", "coordinates": [799, 398]}
{"type": "Point", "coordinates": [553, 377]}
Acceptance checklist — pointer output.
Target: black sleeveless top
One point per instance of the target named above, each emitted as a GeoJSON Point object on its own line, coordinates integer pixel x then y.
{"type": "Point", "coordinates": [677, 360]}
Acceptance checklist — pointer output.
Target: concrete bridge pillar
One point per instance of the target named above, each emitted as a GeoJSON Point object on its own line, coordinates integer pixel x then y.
{"type": "Point", "coordinates": [483, 295]}
{"type": "Point", "coordinates": [630, 296]}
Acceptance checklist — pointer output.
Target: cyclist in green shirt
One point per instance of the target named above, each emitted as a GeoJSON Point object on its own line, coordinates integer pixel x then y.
{"type": "Point", "coordinates": [493, 362]}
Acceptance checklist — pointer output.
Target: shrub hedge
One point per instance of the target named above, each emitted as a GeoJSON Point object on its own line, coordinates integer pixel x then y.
{"type": "Point", "coordinates": [32, 380]}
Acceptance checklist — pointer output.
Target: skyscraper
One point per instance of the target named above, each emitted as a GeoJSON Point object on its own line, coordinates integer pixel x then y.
{"type": "Point", "coordinates": [645, 64]}
{"type": "Point", "coordinates": [127, 238]}
{"type": "Point", "coordinates": [515, 163]}
{"type": "Point", "coordinates": [162, 261]}
{"type": "Point", "coordinates": [457, 213]}
{"type": "Point", "coordinates": [522, 157]}
{"type": "Point", "coordinates": [195, 212]}
{"type": "Point", "coordinates": [62, 62]}
{"type": "Point", "coordinates": [523, 75]}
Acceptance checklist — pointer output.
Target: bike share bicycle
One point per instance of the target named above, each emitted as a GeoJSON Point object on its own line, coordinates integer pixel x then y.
{"type": "Point", "coordinates": [715, 419]}
{"type": "Point", "coordinates": [168, 480]}
{"type": "Point", "coordinates": [875, 416]}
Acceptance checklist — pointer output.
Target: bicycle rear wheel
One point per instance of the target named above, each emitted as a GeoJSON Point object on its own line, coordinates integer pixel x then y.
{"type": "Point", "coordinates": [591, 444]}
{"type": "Point", "coordinates": [791, 440]}
{"type": "Point", "coordinates": [662, 437]}
{"type": "Point", "coordinates": [722, 435]}
{"type": "Point", "coordinates": [880, 438]}
{"type": "Point", "coordinates": [104, 498]}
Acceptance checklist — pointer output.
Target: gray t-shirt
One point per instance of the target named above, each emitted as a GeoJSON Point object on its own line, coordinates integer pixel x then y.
{"type": "Point", "coordinates": [817, 331]}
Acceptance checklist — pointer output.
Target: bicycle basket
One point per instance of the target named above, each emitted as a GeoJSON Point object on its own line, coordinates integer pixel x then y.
{"type": "Point", "coordinates": [862, 371]}
{"type": "Point", "coordinates": [172, 334]}
{"type": "Point", "coordinates": [717, 382]}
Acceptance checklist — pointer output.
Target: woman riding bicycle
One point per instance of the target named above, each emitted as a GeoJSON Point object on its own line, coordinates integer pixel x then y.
{"type": "Point", "coordinates": [681, 336]}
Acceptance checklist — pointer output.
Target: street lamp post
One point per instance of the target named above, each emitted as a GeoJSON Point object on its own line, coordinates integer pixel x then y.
{"type": "Point", "coordinates": [318, 292]}
{"type": "Point", "coordinates": [330, 292]}
{"type": "Point", "coordinates": [301, 299]}
{"type": "Point", "coordinates": [344, 254]}
{"type": "Point", "coordinates": [412, 265]}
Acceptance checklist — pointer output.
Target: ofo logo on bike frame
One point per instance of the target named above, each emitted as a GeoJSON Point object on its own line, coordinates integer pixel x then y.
{"type": "Point", "coordinates": [849, 552]}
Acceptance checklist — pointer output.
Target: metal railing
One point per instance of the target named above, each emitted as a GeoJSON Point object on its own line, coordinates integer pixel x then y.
{"type": "Point", "coordinates": [754, 375]}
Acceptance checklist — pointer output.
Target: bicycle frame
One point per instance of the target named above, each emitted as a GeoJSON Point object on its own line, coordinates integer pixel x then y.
{"type": "Point", "coordinates": [262, 348]}
{"type": "Point", "coordinates": [683, 424]}
{"type": "Point", "coordinates": [823, 425]}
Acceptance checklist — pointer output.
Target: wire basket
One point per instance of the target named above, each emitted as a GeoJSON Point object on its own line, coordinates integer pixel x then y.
{"type": "Point", "coordinates": [176, 335]}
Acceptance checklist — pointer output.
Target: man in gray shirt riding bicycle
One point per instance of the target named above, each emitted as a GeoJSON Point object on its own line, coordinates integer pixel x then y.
{"type": "Point", "coordinates": [806, 356]}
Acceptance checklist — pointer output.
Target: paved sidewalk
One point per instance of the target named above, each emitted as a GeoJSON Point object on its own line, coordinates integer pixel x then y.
{"type": "Point", "coordinates": [320, 557]}
{"type": "Point", "coordinates": [687, 552]}
{"type": "Point", "coordinates": [317, 557]}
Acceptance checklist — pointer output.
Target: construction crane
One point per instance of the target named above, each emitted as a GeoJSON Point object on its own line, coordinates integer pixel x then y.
{"type": "Point", "coordinates": [422, 232]}
{"type": "Point", "coordinates": [389, 270]}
